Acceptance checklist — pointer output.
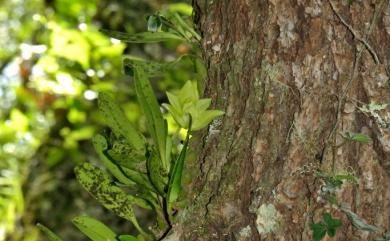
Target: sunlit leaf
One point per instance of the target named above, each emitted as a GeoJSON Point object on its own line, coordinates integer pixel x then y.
{"type": "Point", "coordinates": [117, 120]}
{"type": "Point", "coordinates": [183, 8]}
{"type": "Point", "coordinates": [100, 144]}
{"type": "Point", "coordinates": [175, 176]}
{"type": "Point", "coordinates": [206, 118]}
{"type": "Point", "coordinates": [155, 122]}
{"type": "Point", "coordinates": [127, 238]}
{"type": "Point", "coordinates": [94, 229]}
{"type": "Point", "coordinates": [186, 28]}
{"type": "Point", "coordinates": [187, 103]}
{"type": "Point", "coordinates": [112, 197]}
{"type": "Point", "coordinates": [151, 68]}
{"type": "Point", "coordinates": [145, 37]}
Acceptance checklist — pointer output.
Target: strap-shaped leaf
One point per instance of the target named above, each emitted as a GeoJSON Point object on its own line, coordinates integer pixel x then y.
{"type": "Point", "coordinates": [140, 178]}
{"type": "Point", "coordinates": [156, 124]}
{"type": "Point", "coordinates": [124, 155]}
{"type": "Point", "coordinates": [51, 235]}
{"type": "Point", "coordinates": [186, 27]}
{"type": "Point", "coordinates": [100, 145]}
{"type": "Point", "coordinates": [174, 185]}
{"type": "Point", "coordinates": [144, 202]}
{"type": "Point", "coordinates": [127, 161]}
{"type": "Point", "coordinates": [151, 68]}
{"type": "Point", "coordinates": [99, 185]}
{"type": "Point", "coordinates": [122, 150]}
{"type": "Point", "coordinates": [124, 175]}
{"type": "Point", "coordinates": [112, 197]}
{"type": "Point", "coordinates": [157, 175]}
{"type": "Point", "coordinates": [168, 149]}
{"type": "Point", "coordinates": [94, 229]}
{"type": "Point", "coordinates": [144, 37]}
{"type": "Point", "coordinates": [127, 238]}
{"type": "Point", "coordinates": [117, 121]}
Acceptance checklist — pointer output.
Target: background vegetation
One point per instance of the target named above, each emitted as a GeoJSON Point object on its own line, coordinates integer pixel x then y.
{"type": "Point", "coordinates": [53, 62]}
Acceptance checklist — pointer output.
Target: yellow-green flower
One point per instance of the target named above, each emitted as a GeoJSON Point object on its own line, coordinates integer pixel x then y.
{"type": "Point", "coordinates": [186, 103]}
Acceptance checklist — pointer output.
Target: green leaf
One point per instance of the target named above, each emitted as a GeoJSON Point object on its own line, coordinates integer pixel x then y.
{"type": "Point", "coordinates": [117, 120]}
{"type": "Point", "coordinates": [101, 146]}
{"type": "Point", "coordinates": [99, 185]}
{"type": "Point", "coordinates": [331, 222]}
{"type": "Point", "coordinates": [186, 27]}
{"type": "Point", "coordinates": [145, 37]}
{"type": "Point", "coordinates": [203, 104]}
{"type": "Point", "coordinates": [188, 93]}
{"type": "Point", "coordinates": [186, 103]}
{"type": "Point", "coordinates": [127, 238]}
{"type": "Point", "coordinates": [155, 122]}
{"type": "Point", "coordinates": [157, 174]}
{"type": "Point", "coordinates": [94, 229]}
{"type": "Point", "coordinates": [319, 231]}
{"type": "Point", "coordinates": [52, 236]}
{"type": "Point", "coordinates": [359, 137]}
{"type": "Point", "coordinates": [174, 186]}
{"type": "Point", "coordinates": [151, 68]}
{"type": "Point", "coordinates": [140, 178]}
{"type": "Point", "coordinates": [206, 117]}
{"type": "Point", "coordinates": [168, 149]}
{"type": "Point", "coordinates": [181, 7]}
{"type": "Point", "coordinates": [331, 231]}
{"type": "Point", "coordinates": [125, 175]}
{"type": "Point", "coordinates": [112, 197]}
{"type": "Point", "coordinates": [346, 177]}
{"type": "Point", "coordinates": [174, 102]}
{"type": "Point", "coordinates": [125, 155]}
{"type": "Point", "coordinates": [143, 202]}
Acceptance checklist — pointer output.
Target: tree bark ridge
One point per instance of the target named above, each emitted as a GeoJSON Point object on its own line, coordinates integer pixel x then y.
{"type": "Point", "coordinates": [278, 69]}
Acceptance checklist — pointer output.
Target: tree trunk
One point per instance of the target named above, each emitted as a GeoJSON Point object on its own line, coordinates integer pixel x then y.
{"type": "Point", "coordinates": [291, 76]}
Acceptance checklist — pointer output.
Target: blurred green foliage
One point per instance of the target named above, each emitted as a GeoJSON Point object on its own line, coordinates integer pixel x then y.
{"type": "Point", "coordinates": [53, 62]}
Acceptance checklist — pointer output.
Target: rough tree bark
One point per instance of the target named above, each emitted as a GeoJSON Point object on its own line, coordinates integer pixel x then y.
{"type": "Point", "coordinates": [290, 75]}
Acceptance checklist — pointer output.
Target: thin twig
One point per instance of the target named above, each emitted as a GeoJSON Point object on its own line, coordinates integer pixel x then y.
{"type": "Point", "coordinates": [356, 34]}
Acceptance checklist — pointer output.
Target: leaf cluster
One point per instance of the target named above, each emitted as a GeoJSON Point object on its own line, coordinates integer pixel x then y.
{"type": "Point", "coordinates": [141, 171]}
{"type": "Point", "coordinates": [328, 225]}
